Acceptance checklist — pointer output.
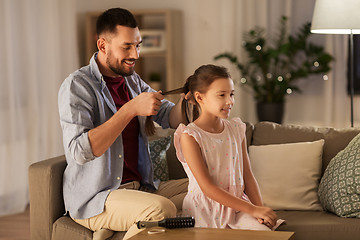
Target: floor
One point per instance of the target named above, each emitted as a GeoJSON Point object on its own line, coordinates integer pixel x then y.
{"type": "Point", "coordinates": [15, 227]}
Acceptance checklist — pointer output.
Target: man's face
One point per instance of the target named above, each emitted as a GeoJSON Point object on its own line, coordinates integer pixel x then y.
{"type": "Point", "coordinates": [123, 50]}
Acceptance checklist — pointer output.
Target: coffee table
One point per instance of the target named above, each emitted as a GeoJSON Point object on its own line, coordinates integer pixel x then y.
{"type": "Point", "coordinates": [213, 234]}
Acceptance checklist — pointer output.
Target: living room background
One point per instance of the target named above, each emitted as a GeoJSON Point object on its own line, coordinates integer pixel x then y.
{"type": "Point", "coordinates": [45, 42]}
{"type": "Point", "coordinates": [212, 27]}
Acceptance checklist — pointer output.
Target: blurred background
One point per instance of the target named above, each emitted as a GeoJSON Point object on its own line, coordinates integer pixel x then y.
{"type": "Point", "coordinates": [43, 41]}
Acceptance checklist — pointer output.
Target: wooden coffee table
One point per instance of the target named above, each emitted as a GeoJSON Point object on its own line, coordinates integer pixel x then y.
{"type": "Point", "coordinates": [213, 234]}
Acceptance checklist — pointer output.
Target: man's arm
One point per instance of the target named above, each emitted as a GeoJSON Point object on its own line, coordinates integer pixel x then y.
{"type": "Point", "coordinates": [103, 136]}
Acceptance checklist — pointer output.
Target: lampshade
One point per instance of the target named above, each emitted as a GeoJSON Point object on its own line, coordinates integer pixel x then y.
{"type": "Point", "coordinates": [336, 17]}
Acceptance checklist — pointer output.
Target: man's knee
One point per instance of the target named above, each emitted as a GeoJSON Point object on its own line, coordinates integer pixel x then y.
{"type": "Point", "coordinates": [162, 208]}
{"type": "Point", "coordinates": [167, 206]}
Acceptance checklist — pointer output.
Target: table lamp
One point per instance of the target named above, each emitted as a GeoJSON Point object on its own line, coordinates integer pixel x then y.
{"type": "Point", "coordinates": [339, 17]}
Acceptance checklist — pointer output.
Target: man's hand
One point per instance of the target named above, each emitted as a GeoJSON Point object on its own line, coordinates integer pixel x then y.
{"type": "Point", "coordinates": [103, 136]}
{"type": "Point", "coordinates": [147, 103]}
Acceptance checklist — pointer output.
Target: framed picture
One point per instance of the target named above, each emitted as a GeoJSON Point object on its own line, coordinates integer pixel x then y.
{"type": "Point", "coordinates": [152, 41]}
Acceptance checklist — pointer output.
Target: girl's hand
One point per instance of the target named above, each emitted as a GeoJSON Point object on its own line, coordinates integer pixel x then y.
{"type": "Point", "coordinates": [265, 216]}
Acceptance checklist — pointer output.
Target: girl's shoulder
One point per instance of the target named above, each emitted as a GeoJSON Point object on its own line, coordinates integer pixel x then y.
{"type": "Point", "coordinates": [236, 125]}
{"type": "Point", "coordinates": [194, 131]}
{"type": "Point", "coordinates": [236, 122]}
{"type": "Point", "coordinates": [190, 129]}
{"type": "Point", "coordinates": [182, 129]}
{"type": "Point", "coordinates": [186, 128]}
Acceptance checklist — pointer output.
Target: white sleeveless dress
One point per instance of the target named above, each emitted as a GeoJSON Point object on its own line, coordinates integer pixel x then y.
{"type": "Point", "coordinates": [223, 155]}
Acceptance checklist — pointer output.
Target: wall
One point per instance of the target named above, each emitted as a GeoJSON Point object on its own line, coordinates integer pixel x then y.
{"type": "Point", "coordinates": [200, 46]}
{"type": "Point", "coordinates": [203, 25]}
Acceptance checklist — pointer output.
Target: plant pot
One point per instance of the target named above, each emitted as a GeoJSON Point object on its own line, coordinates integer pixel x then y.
{"type": "Point", "coordinates": [272, 112]}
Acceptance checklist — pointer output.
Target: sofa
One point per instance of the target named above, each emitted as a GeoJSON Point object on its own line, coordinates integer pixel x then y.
{"type": "Point", "coordinates": [48, 219]}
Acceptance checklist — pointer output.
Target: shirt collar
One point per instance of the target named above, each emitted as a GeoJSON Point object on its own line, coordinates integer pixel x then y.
{"type": "Point", "coordinates": [95, 70]}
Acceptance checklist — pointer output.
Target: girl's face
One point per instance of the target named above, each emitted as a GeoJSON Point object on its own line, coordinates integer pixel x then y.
{"type": "Point", "coordinates": [218, 99]}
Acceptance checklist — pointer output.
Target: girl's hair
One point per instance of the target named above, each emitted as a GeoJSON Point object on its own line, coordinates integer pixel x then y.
{"type": "Point", "coordinates": [200, 81]}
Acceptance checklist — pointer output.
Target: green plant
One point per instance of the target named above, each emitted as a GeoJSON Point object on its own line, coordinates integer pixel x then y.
{"type": "Point", "coordinates": [272, 68]}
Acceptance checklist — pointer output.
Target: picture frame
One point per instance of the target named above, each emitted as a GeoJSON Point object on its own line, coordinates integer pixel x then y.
{"type": "Point", "coordinates": [153, 41]}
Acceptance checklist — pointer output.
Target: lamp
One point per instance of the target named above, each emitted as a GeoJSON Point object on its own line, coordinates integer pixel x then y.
{"type": "Point", "coordinates": [339, 17]}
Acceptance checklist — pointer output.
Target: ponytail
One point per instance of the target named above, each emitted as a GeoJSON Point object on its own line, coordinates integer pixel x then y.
{"type": "Point", "coordinates": [186, 113]}
{"type": "Point", "coordinates": [199, 81]}
{"type": "Point", "coordinates": [189, 112]}
{"type": "Point", "coordinates": [149, 126]}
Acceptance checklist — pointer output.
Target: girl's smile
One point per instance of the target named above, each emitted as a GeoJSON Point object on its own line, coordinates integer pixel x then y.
{"type": "Point", "coordinates": [218, 99]}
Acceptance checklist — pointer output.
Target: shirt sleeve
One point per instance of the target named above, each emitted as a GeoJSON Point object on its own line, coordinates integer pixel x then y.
{"type": "Point", "coordinates": [75, 100]}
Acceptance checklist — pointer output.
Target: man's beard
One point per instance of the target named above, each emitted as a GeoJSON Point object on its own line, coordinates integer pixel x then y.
{"type": "Point", "coordinates": [120, 70]}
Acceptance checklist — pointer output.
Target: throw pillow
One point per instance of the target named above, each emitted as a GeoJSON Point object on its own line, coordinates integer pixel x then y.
{"type": "Point", "coordinates": [288, 174]}
{"type": "Point", "coordinates": [158, 150]}
{"type": "Point", "coordinates": [339, 189]}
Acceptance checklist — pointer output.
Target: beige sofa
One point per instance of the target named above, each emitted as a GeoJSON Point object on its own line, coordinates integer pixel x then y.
{"type": "Point", "coordinates": [47, 219]}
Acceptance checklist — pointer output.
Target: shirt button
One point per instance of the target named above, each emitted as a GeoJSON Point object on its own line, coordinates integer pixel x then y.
{"type": "Point", "coordinates": [109, 190]}
{"type": "Point", "coordinates": [118, 178]}
{"type": "Point", "coordinates": [120, 156]}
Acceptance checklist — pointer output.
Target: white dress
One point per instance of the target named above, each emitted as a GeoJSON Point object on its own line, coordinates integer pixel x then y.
{"type": "Point", "coordinates": [223, 155]}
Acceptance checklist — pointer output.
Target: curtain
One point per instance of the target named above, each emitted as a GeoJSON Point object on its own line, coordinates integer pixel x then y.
{"type": "Point", "coordinates": [38, 40]}
{"type": "Point", "coordinates": [336, 99]}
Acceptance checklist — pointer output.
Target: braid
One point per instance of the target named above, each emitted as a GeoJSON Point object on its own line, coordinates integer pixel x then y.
{"type": "Point", "coordinates": [189, 112]}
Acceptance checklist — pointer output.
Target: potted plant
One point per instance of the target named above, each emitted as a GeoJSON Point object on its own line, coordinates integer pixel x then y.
{"type": "Point", "coordinates": [273, 67]}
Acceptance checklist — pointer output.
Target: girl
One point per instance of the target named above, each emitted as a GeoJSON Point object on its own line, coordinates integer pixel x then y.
{"type": "Point", "coordinates": [213, 152]}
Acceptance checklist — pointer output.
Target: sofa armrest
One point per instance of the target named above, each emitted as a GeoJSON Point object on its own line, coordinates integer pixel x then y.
{"type": "Point", "coordinates": [46, 196]}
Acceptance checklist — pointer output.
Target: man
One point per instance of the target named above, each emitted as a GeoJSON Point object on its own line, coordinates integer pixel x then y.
{"type": "Point", "coordinates": [102, 109]}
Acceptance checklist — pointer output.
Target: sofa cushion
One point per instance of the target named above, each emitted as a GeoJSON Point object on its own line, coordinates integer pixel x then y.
{"type": "Point", "coordinates": [66, 228]}
{"type": "Point", "coordinates": [319, 225]}
{"type": "Point", "coordinates": [335, 139]}
{"type": "Point", "coordinates": [272, 133]}
{"type": "Point", "coordinates": [249, 133]}
{"type": "Point", "coordinates": [158, 150]}
{"type": "Point", "coordinates": [339, 190]}
{"type": "Point", "coordinates": [288, 174]}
